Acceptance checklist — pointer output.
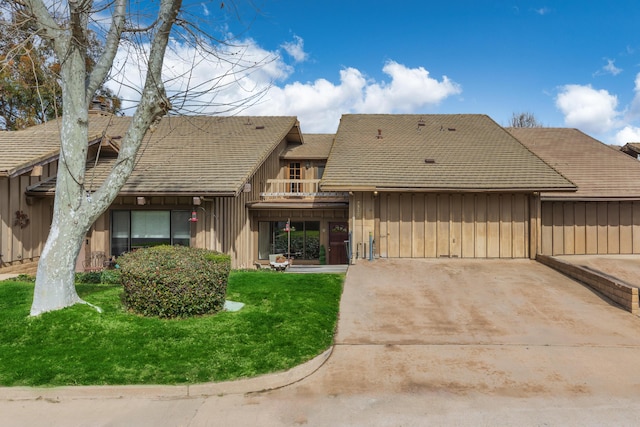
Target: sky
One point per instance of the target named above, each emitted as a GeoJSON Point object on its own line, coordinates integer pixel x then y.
{"type": "Point", "coordinates": [569, 63]}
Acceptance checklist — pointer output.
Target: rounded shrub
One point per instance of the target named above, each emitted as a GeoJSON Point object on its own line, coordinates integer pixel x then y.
{"type": "Point", "coordinates": [174, 281]}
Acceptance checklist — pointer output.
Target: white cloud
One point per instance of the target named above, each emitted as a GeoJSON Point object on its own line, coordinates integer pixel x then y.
{"type": "Point", "coordinates": [296, 49]}
{"type": "Point", "coordinates": [320, 104]}
{"type": "Point", "coordinates": [214, 85]}
{"type": "Point", "coordinates": [627, 134]}
{"type": "Point", "coordinates": [542, 11]}
{"type": "Point", "coordinates": [409, 89]}
{"type": "Point", "coordinates": [609, 68]}
{"type": "Point", "coordinates": [588, 109]}
{"type": "Point", "coordinates": [633, 113]}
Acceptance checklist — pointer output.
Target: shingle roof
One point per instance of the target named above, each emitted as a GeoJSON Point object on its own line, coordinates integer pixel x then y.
{"type": "Point", "coordinates": [317, 146]}
{"type": "Point", "coordinates": [599, 171]}
{"type": "Point", "coordinates": [23, 149]}
{"type": "Point", "coordinates": [631, 147]}
{"type": "Point", "coordinates": [199, 155]}
{"type": "Point", "coordinates": [433, 152]}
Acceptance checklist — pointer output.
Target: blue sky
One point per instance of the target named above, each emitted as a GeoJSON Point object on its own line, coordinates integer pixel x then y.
{"type": "Point", "coordinates": [570, 63]}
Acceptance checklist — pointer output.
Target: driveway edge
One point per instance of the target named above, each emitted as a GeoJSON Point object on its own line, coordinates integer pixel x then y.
{"type": "Point", "coordinates": [621, 293]}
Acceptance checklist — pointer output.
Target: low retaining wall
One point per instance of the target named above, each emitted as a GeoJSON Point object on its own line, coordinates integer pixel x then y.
{"type": "Point", "coordinates": [616, 290]}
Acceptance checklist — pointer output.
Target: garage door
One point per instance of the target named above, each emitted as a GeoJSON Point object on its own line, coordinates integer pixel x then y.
{"type": "Point", "coordinates": [414, 225]}
{"type": "Point", "coordinates": [570, 228]}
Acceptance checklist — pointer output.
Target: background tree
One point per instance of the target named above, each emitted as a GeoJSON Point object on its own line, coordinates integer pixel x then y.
{"type": "Point", "coordinates": [524, 120]}
{"type": "Point", "coordinates": [146, 28]}
{"type": "Point", "coordinates": [30, 92]}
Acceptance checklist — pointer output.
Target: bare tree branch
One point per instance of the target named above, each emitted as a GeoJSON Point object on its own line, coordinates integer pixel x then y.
{"type": "Point", "coordinates": [112, 41]}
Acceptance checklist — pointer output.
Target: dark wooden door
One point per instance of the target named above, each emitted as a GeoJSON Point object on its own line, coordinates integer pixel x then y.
{"type": "Point", "coordinates": [338, 233]}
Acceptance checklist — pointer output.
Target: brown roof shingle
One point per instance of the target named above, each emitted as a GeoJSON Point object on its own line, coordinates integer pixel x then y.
{"type": "Point", "coordinates": [38, 144]}
{"type": "Point", "coordinates": [316, 146]}
{"type": "Point", "coordinates": [198, 155]}
{"type": "Point", "coordinates": [599, 170]}
{"type": "Point", "coordinates": [468, 152]}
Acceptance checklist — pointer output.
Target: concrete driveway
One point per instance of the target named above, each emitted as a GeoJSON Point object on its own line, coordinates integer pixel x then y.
{"type": "Point", "coordinates": [424, 342]}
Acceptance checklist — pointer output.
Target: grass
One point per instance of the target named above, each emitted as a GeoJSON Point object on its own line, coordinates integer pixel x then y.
{"type": "Point", "coordinates": [287, 320]}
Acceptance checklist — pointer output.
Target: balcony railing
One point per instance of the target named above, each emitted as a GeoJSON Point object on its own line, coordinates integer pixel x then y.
{"type": "Point", "coordinates": [297, 188]}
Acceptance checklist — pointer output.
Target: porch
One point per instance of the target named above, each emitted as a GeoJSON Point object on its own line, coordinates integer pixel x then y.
{"type": "Point", "coordinates": [299, 189]}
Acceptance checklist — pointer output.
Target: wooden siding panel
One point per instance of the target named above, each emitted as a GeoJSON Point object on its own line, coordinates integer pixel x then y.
{"type": "Point", "coordinates": [431, 226]}
{"type": "Point", "coordinates": [444, 215]}
{"type": "Point", "coordinates": [626, 229]}
{"type": "Point", "coordinates": [602, 215]}
{"type": "Point", "coordinates": [580, 221]}
{"type": "Point", "coordinates": [468, 226]}
{"type": "Point", "coordinates": [419, 219]}
{"type": "Point", "coordinates": [16, 232]}
{"type": "Point", "coordinates": [568, 228]}
{"type": "Point", "coordinates": [393, 238]}
{"type": "Point", "coordinates": [5, 228]}
{"type": "Point", "coordinates": [481, 226]}
{"type": "Point", "coordinates": [635, 227]}
{"type": "Point", "coordinates": [520, 226]}
{"type": "Point", "coordinates": [558, 229]}
{"type": "Point", "coordinates": [613, 228]}
{"type": "Point", "coordinates": [506, 226]}
{"type": "Point", "coordinates": [455, 225]}
{"type": "Point", "coordinates": [406, 222]}
{"type": "Point", "coordinates": [493, 226]}
{"type": "Point", "coordinates": [546, 228]}
{"type": "Point", "coordinates": [383, 241]}
{"type": "Point", "coordinates": [592, 227]}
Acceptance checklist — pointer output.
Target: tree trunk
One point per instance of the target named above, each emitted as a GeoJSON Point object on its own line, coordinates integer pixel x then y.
{"type": "Point", "coordinates": [55, 279]}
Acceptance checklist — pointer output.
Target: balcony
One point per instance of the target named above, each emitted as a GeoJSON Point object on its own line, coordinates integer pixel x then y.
{"type": "Point", "coordinates": [298, 189]}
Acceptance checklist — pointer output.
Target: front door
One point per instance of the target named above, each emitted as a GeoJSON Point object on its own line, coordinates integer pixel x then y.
{"type": "Point", "coordinates": [338, 234]}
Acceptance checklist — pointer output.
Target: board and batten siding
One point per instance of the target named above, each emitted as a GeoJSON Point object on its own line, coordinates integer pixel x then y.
{"type": "Point", "coordinates": [430, 225]}
{"type": "Point", "coordinates": [588, 228]}
{"type": "Point", "coordinates": [20, 244]}
{"type": "Point", "coordinates": [231, 229]}
{"type": "Point", "coordinates": [223, 222]}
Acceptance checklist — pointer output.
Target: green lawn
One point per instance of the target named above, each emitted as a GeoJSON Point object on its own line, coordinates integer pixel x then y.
{"type": "Point", "coordinates": [287, 320]}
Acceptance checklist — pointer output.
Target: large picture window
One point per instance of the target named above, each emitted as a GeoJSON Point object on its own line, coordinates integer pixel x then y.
{"type": "Point", "coordinates": [138, 229]}
{"type": "Point", "coordinates": [303, 239]}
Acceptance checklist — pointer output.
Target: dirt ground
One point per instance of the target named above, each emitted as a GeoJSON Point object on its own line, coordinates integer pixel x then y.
{"type": "Point", "coordinates": [423, 342]}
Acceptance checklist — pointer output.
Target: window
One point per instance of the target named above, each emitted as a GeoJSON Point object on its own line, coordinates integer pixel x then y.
{"type": "Point", "coordinates": [303, 239]}
{"type": "Point", "coordinates": [138, 229]}
{"type": "Point", "coordinates": [319, 171]}
{"type": "Point", "coordinates": [295, 173]}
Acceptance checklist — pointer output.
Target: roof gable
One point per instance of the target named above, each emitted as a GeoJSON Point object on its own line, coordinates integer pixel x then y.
{"type": "Point", "coordinates": [40, 144]}
{"type": "Point", "coordinates": [467, 152]}
{"type": "Point", "coordinates": [316, 146]}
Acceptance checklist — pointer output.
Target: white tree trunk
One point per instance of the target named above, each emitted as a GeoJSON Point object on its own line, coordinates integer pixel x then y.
{"type": "Point", "coordinates": [55, 284]}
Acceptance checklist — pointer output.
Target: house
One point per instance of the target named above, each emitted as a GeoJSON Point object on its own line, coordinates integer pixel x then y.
{"type": "Point", "coordinates": [438, 186]}
{"type": "Point", "coordinates": [603, 215]}
{"type": "Point", "coordinates": [632, 149]}
{"type": "Point", "coordinates": [384, 185]}
{"type": "Point", "coordinates": [202, 181]}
